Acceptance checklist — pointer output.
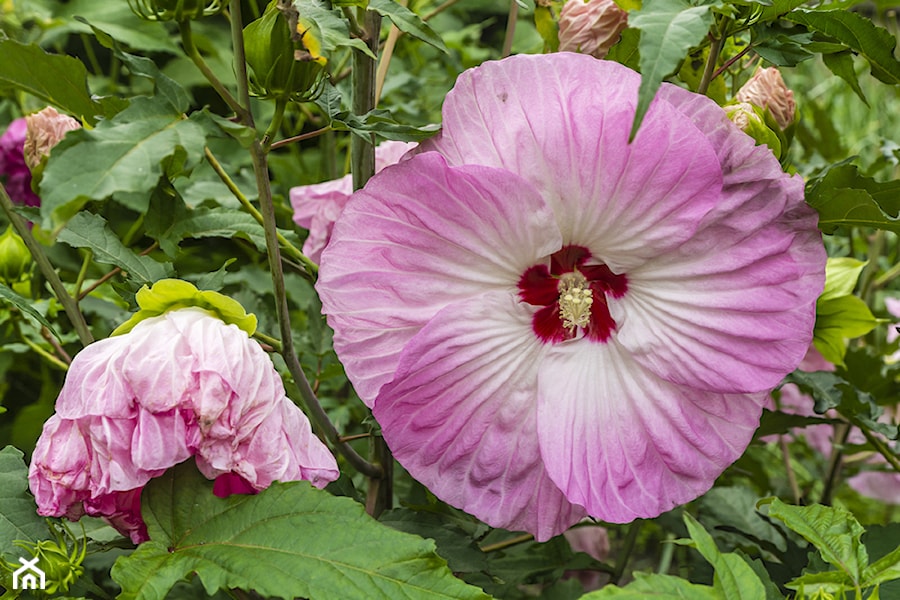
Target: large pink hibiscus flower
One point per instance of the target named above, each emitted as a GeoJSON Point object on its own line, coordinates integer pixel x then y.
{"type": "Point", "coordinates": [549, 321]}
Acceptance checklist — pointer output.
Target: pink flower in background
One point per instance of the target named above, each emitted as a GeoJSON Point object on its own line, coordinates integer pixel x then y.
{"type": "Point", "coordinates": [317, 206]}
{"type": "Point", "coordinates": [590, 26]}
{"type": "Point", "coordinates": [593, 540]}
{"type": "Point", "coordinates": [178, 385]}
{"type": "Point", "coordinates": [551, 322]}
{"type": "Point", "coordinates": [45, 129]}
{"type": "Point", "coordinates": [766, 89]}
{"type": "Point", "coordinates": [14, 171]}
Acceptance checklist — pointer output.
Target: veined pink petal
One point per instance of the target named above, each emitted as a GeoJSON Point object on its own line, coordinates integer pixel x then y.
{"type": "Point", "coordinates": [626, 444]}
{"type": "Point", "coordinates": [431, 235]}
{"type": "Point", "coordinates": [461, 416]}
{"type": "Point", "coordinates": [568, 136]}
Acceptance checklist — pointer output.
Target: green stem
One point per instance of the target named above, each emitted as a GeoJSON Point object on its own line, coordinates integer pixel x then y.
{"type": "Point", "coordinates": [627, 548]}
{"type": "Point", "coordinates": [310, 269]}
{"type": "Point", "coordinates": [240, 62]}
{"type": "Point", "coordinates": [731, 61]}
{"type": "Point", "coordinates": [187, 40]}
{"type": "Point", "coordinates": [82, 273]}
{"type": "Point", "coordinates": [46, 355]}
{"type": "Point", "coordinates": [887, 277]}
{"type": "Point", "coordinates": [881, 447]}
{"type": "Point", "coordinates": [37, 253]}
{"type": "Point", "coordinates": [841, 431]}
{"type": "Point", "coordinates": [715, 47]}
{"type": "Point", "coordinates": [510, 28]}
{"type": "Point", "coordinates": [514, 541]}
{"type": "Point", "coordinates": [301, 137]}
{"type": "Point", "coordinates": [789, 469]}
{"type": "Point", "coordinates": [438, 10]}
{"type": "Point", "coordinates": [362, 166]}
{"type": "Point", "coordinates": [91, 55]}
{"type": "Point", "coordinates": [668, 551]}
{"type": "Point", "coordinates": [275, 125]}
{"type": "Point", "coordinates": [267, 339]}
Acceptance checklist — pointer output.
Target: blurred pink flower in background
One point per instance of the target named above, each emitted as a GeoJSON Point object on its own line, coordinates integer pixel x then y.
{"type": "Point", "coordinates": [317, 206]}
{"type": "Point", "coordinates": [177, 385]}
{"type": "Point", "coordinates": [550, 322]}
{"type": "Point", "coordinates": [593, 540]}
{"type": "Point", "coordinates": [766, 89]}
{"type": "Point", "coordinates": [44, 130]}
{"type": "Point", "coordinates": [14, 171]}
{"type": "Point", "coordinates": [590, 27]}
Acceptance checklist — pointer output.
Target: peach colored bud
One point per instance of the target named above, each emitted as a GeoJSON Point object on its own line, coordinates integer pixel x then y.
{"type": "Point", "coordinates": [766, 89]}
{"type": "Point", "coordinates": [44, 130]}
{"type": "Point", "coordinates": [590, 27]}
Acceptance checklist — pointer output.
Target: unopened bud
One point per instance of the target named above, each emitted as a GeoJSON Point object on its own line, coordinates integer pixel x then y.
{"type": "Point", "coordinates": [175, 10]}
{"type": "Point", "coordinates": [44, 130]}
{"type": "Point", "coordinates": [752, 120]}
{"type": "Point", "coordinates": [767, 90]}
{"type": "Point", "coordinates": [590, 27]}
{"type": "Point", "coordinates": [284, 56]}
{"type": "Point", "coordinates": [15, 259]}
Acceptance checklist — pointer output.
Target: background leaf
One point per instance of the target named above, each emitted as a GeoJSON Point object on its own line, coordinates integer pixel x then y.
{"type": "Point", "coordinates": [842, 196]}
{"type": "Point", "coordinates": [656, 587]}
{"type": "Point", "coordinates": [289, 540]}
{"type": "Point", "coordinates": [669, 28]}
{"type": "Point", "coordinates": [25, 306]}
{"type": "Point", "coordinates": [18, 512]}
{"type": "Point", "coordinates": [734, 579]}
{"type": "Point", "coordinates": [56, 79]}
{"type": "Point", "coordinates": [408, 22]}
{"type": "Point", "coordinates": [87, 230]}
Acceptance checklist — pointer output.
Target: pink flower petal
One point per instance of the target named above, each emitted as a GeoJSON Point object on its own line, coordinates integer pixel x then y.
{"type": "Point", "coordinates": [431, 235]}
{"type": "Point", "coordinates": [569, 138]}
{"type": "Point", "coordinates": [626, 444]}
{"type": "Point", "coordinates": [461, 416]}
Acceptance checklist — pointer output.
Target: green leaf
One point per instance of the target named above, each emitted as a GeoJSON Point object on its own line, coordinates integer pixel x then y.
{"type": "Point", "coordinates": [842, 196]}
{"type": "Point", "coordinates": [329, 27]}
{"type": "Point", "coordinates": [53, 78]}
{"type": "Point", "coordinates": [838, 320]}
{"type": "Point", "coordinates": [219, 222]}
{"type": "Point", "coordinates": [841, 275]}
{"type": "Point", "coordinates": [874, 43]}
{"type": "Point", "coordinates": [734, 579]}
{"type": "Point", "coordinates": [25, 306]}
{"type": "Point", "coordinates": [87, 230]}
{"type": "Point", "coordinates": [165, 86]}
{"type": "Point", "coordinates": [18, 512]}
{"type": "Point", "coordinates": [118, 19]}
{"type": "Point", "coordinates": [125, 155]}
{"type": "Point", "coordinates": [833, 531]}
{"type": "Point", "coordinates": [829, 582]}
{"type": "Point", "coordinates": [289, 540]}
{"type": "Point", "coordinates": [408, 22]}
{"type": "Point", "coordinates": [832, 391]}
{"type": "Point", "coordinates": [885, 569]}
{"type": "Point", "coordinates": [841, 64]}
{"type": "Point", "coordinates": [669, 28]}
{"type": "Point", "coordinates": [625, 51]}
{"type": "Point", "coordinates": [656, 587]}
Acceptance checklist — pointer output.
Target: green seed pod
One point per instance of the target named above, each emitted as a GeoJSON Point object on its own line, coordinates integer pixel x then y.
{"type": "Point", "coordinates": [175, 10]}
{"type": "Point", "coordinates": [15, 259]}
{"type": "Point", "coordinates": [283, 55]}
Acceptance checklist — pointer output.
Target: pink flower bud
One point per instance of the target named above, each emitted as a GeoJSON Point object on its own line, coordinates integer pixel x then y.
{"type": "Point", "coordinates": [766, 89]}
{"type": "Point", "coordinates": [590, 26]}
{"type": "Point", "coordinates": [44, 130]}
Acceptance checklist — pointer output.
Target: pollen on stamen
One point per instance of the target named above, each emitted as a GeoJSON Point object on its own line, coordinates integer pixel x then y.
{"type": "Point", "coordinates": [575, 300]}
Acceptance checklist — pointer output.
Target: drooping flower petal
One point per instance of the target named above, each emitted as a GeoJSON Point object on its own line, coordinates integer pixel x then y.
{"type": "Point", "coordinates": [627, 444]}
{"type": "Point", "coordinates": [177, 385]}
{"type": "Point", "coordinates": [417, 224]}
{"type": "Point", "coordinates": [461, 416]}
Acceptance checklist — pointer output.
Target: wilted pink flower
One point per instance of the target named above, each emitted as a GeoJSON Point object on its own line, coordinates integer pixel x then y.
{"type": "Point", "coordinates": [178, 385]}
{"type": "Point", "coordinates": [766, 89]}
{"type": "Point", "coordinates": [549, 321]}
{"type": "Point", "coordinates": [45, 129]}
{"type": "Point", "coordinates": [590, 26]}
{"type": "Point", "coordinates": [317, 206]}
{"type": "Point", "coordinates": [13, 167]}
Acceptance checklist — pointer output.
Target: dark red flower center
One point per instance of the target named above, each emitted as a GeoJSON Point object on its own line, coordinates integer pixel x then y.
{"type": "Point", "coordinates": [572, 295]}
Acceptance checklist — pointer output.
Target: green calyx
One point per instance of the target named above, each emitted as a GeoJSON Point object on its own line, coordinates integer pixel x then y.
{"type": "Point", "coordinates": [175, 10]}
{"type": "Point", "coordinates": [173, 294]}
{"type": "Point", "coordinates": [15, 259]}
{"type": "Point", "coordinates": [284, 54]}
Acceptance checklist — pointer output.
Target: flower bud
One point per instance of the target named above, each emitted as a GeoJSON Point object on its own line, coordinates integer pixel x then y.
{"type": "Point", "coordinates": [752, 120]}
{"type": "Point", "coordinates": [766, 89]}
{"type": "Point", "coordinates": [15, 259]}
{"type": "Point", "coordinates": [284, 57]}
{"type": "Point", "coordinates": [174, 10]}
{"type": "Point", "coordinates": [44, 130]}
{"type": "Point", "coordinates": [590, 26]}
